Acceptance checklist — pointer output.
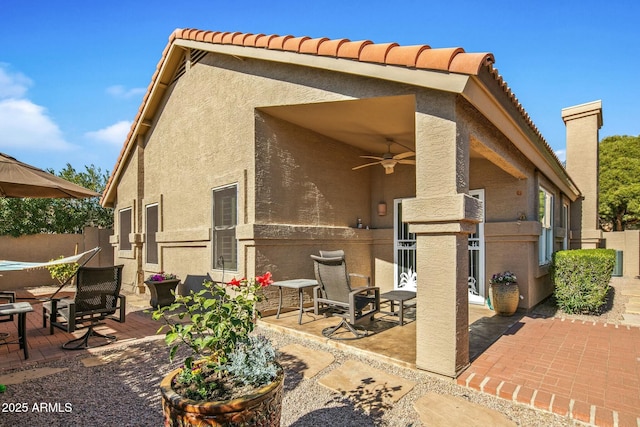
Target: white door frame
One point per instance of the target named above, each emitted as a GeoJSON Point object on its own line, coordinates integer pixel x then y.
{"type": "Point", "coordinates": [403, 242]}
{"type": "Point", "coordinates": [477, 293]}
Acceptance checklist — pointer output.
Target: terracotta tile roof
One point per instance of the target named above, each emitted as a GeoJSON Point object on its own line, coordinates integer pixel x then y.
{"type": "Point", "coordinates": [453, 60]}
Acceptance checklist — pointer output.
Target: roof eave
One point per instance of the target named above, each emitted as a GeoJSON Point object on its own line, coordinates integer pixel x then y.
{"type": "Point", "coordinates": [520, 132]}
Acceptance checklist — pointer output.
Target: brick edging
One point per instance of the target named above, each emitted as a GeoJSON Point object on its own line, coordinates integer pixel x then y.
{"type": "Point", "coordinates": [545, 401]}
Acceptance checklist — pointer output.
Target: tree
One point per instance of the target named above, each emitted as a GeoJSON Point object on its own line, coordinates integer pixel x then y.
{"type": "Point", "coordinates": [34, 216]}
{"type": "Point", "coordinates": [619, 182]}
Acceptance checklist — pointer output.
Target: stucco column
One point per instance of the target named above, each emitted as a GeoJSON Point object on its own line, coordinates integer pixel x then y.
{"type": "Point", "coordinates": [582, 123]}
{"type": "Point", "coordinates": [442, 215]}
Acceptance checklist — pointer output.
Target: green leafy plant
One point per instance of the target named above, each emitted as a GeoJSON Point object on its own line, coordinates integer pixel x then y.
{"type": "Point", "coordinates": [581, 278]}
{"type": "Point", "coordinates": [214, 325]}
{"type": "Point", "coordinates": [62, 272]}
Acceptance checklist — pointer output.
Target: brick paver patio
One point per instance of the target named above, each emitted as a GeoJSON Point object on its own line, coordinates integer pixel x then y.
{"type": "Point", "coordinates": [44, 347]}
{"type": "Point", "coordinates": [588, 370]}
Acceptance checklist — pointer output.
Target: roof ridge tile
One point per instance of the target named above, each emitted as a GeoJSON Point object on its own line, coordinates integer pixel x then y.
{"type": "Point", "coordinates": [405, 55]}
{"type": "Point", "coordinates": [278, 42]}
{"type": "Point", "coordinates": [352, 50]}
{"type": "Point", "coordinates": [312, 45]}
{"type": "Point", "coordinates": [376, 52]}
{"type": "Point", "coordinates": [293, 44]}
{"type": "Point", "coordinates": [330, 47]}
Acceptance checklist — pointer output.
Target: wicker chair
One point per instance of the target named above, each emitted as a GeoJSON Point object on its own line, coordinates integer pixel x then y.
{"type": "Point", "coordinates": [97, 298]}
{"type": "Point", "coordinates": [335, 294]}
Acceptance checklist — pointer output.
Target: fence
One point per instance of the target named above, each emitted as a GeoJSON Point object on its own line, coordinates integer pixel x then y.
{"type": "Point", "coordinates": [44, 247]}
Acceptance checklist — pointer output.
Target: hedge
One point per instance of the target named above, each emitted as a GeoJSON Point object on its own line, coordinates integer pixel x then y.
{"type": "Point", "coordinates": [581, 278]}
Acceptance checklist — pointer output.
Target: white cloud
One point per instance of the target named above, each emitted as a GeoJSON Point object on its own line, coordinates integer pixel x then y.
{"type": "Point", "coordinates": [119, 91]}
{"type": "Point", "coordinates": [114, 134]}
{"type": "Point", "coordinates": [562, 155]}
{"type": "Point", "coordinates": [25, 125]}
{"type": "Point", "coordinates": [12, 84]}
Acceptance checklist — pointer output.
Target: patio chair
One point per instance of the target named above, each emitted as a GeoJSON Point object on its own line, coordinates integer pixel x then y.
{"type": "Point", "coordinates": [334, 292]}
{"type": "Point", "coordinates": [193, 283]}
{"type": "Point", "coordinates": [97, 298]}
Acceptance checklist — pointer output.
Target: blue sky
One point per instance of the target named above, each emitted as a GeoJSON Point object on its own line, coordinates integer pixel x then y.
{"type": "Point", "coordinates": [73, 73]}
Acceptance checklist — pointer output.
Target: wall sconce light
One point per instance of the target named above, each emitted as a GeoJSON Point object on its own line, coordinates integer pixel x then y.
{"type": "Point", "coordinates": [382, 209]}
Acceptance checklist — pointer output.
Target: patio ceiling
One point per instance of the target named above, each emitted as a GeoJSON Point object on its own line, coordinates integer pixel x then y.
{"type": "Point", "coordinates": [363, 123]}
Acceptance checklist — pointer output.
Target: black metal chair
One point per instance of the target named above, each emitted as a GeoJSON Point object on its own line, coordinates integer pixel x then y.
{"type": "Point", "coordinates": [335, 294]}
{"type": "Point", "coordinates": [97, 298]}
{"type": "Point", "coordinates": [7, 297]}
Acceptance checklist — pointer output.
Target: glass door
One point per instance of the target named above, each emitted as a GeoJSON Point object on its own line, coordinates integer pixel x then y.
{"type": "Point", "coordinates": [404, 245]}
{"type": "Point", "coordinates": [476, 257]}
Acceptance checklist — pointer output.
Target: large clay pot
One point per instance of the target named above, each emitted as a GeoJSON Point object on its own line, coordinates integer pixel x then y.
{"type": "Point", "coordinates": [505, 298]}
{"type": "Point", "coordinates": [261, 409]}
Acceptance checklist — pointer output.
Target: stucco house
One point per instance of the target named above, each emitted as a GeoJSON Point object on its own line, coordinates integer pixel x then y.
{"type": "Point", "coordinates": [241, 160]}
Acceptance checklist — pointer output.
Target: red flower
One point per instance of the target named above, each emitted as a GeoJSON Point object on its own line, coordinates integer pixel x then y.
{"type": "Point", "coordinates": [265, 280]}
{"type": "Point", "coordinates": [236, 282]}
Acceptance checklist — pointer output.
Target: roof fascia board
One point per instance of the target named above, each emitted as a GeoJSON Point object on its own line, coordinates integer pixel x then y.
{"type": "Point", "coordinates": [448, 82]}
{"type": "Point", "coordinates": [478, 95]}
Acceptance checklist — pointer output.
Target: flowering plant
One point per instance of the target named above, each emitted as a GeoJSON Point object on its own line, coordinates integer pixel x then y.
{"type": "Point", "coordinates": [506, 277]}
{"type": "Point", "coordinates": [159, 277]}
{"type": "Point", "coordinates": [223, 360]}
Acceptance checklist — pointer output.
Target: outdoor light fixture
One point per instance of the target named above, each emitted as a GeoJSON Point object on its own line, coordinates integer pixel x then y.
{"type": "Point", "coordinates": [382, 208]}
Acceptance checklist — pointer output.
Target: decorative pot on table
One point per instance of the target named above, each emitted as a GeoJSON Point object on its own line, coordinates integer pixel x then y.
{"type": "Point", "coordinates": [261, 408]}
{"type": "Point", "coordinates": [505, 298]}
{"type": "Point", "coordinates": [161, 295]}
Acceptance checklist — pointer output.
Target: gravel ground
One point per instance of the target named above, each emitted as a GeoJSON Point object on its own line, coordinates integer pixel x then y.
{"type": "Point", "coordinates": [124, 392]}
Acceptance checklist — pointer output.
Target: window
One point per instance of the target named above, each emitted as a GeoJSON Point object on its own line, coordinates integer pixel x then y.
{"type": "Point", "coordinates": [225, 219]}
{"type": "Point", "coordinates": [124, 219]}
{"type": "Point", "coordinates": [151, 229]}
{"type": "Point", "coordinates": [545, 245]}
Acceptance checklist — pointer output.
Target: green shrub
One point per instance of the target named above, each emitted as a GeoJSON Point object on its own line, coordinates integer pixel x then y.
{"type": "Point", "coordinates": [581, 278]}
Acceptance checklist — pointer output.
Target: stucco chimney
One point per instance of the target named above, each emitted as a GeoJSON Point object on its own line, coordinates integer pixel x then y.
{"type": "Point", "coordinates": [583, 123]}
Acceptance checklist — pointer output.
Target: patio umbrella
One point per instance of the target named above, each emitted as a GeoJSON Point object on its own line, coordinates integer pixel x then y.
{"type": "Point", "coordinates": [19, 179]}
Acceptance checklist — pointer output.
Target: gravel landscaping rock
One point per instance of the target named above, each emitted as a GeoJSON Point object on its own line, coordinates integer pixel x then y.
{"type": "Point", "coordinates": [124, 392]}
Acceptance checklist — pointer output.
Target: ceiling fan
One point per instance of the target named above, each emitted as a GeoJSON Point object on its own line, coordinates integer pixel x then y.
{"type": "Point", "coordinates": [389, 160]}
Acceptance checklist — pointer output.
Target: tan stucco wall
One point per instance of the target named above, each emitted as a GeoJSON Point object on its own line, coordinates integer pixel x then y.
{"type": "Point", "coordinates": [628, 242]}
{"type": "Point", "coordinates": [198, 143]}
{"type": "Point", "coordinates": [127, 198]}
{"type": "Point", "coordinates": [44, 247]}
{"type": "Point", "coordinates": [582, 123]}
{"type": "Point", "coordinates": [511, 225]}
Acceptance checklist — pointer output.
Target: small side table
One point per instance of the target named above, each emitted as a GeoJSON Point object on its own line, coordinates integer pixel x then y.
{"type": "Point", "coordinates": [21, 309]}
{"type": "Point", "coordinates": [401, 297]}
{"type": "Point", "coordinates": [300, 285]}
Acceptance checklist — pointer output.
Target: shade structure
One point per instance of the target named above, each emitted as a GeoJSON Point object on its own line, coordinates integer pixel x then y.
{"type": "Point", "coordinates": [19, 179]}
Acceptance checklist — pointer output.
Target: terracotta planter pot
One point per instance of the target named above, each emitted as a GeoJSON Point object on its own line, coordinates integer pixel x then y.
{"type": "Point", "coordinates": [260, 409]}
{"type": "Point", "coordinates": [161, 295]}
{"type": "Point", "coordinates": [505, 298]}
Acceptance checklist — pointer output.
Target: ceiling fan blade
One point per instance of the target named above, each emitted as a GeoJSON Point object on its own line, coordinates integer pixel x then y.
{"type": "Point", "coordinates": [407, 162]}
{"type": "Point", "coordinates": [364, 166]}
{"type": "Point", "coordinates": [372, 157]}
{"type": "Point", "coordinates": [404, 155]}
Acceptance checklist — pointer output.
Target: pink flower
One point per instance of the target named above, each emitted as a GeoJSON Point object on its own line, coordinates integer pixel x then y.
{"type": "Point", "coordinates": [265, 280]}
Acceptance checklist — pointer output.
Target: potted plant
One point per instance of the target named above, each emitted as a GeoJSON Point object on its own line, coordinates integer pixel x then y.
{"type": "Point", "coordinates": [162, 288]}
{"type": "Point", "coordinates": [505, 293]}
{"type": "Point", "coordinates": [228, 376]}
